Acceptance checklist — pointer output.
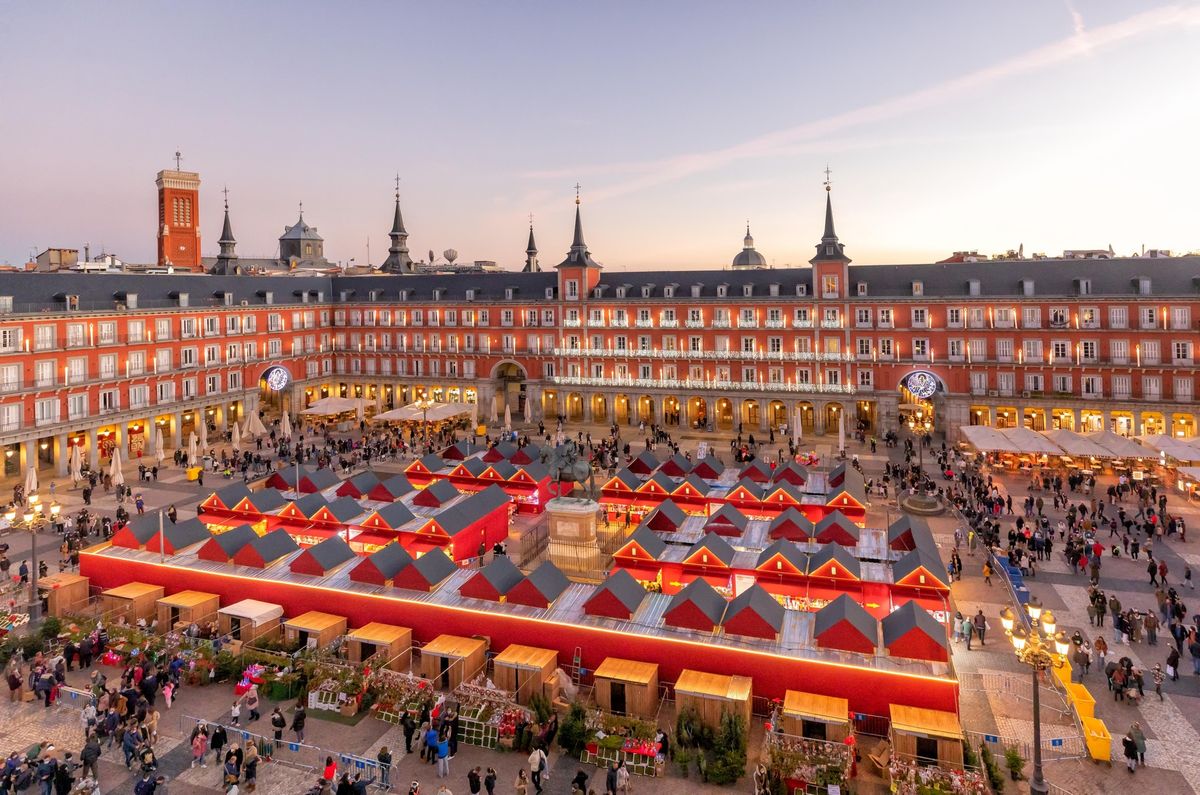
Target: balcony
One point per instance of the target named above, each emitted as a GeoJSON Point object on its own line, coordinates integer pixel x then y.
{"type": "Point", "coordinates": [688, 383]}
{"type": "Point", "coordinates": [721, 323]}
{"type": "Point", "coordinates": [694, 324]}
{"type": "Point", "coordinates": [802, 323]}
{"type": "Point", "coordinates": [747, 323]}
{"type": "Point", "coordinates": [1120, 359]}
{"type": "Point", "coordinates": [777, 323]}
{"type": "Point", "coordinates": [831, 324]}
{"type": "Point", "coordinates": [644, 322]}
{"type": "Point", "coordinates": [620, 322]}
{"type": "Point", "coordinates": [672, 323]}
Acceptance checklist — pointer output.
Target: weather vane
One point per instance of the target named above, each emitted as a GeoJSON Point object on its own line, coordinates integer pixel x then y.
{"type": "Point", "coordinates": [827, 173]}
{"type": "Point", "coordinates": [397, 185]}
{"type": "Point", "coordinates": [178, 159]}
{"type": "Point", "coordinates": [531, 220]}
{"type": "Point", "coordinates": [225, 190]}
{"type": "Point", "coordinates": [577, 186]}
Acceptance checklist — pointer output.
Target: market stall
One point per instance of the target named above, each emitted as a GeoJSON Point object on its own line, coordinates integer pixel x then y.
{"type": "Point", "coordinates": [524, 670]}
{"type": "Point", "coordinates": [627, 687]}
{"type": "Point", "coordinates": [249, 620]}
{"type": "Point", "coordinates": [815, 717]}
{"type": "Point", "coordinates": [179, 610]}
{"type": "Point", "coordinates": [65, 593]}
{"type": "Point", "coordinates": [928, 736]}
{"type": "Point", "coordinates": [393, 643]}
{"type": "Point", "coordinates": [134, 601]}
{"type": "Point", "coordinates": [713, 695]}
{"type": "Point", "coordinates": [449, 660]}
{"type": "Point", "coordinates": [314, 629]}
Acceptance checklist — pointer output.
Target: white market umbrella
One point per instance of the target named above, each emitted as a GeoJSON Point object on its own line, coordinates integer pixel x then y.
{"type": "Point", "coordinates": [841, 431]}
{"type": "Point", "coordinates": [159, 453]}
{"type": "Point", "coordinates": [358, 411]}
{"type": "Point", "coordinates": [507, 417]}
{"type": "Point", "coordinates": [492, 411]}
{"type": "Point", "coordinates": [254, 425]}
{"type": "Point", "coordinates": [285, 425]}
{"type": "Point", "coordinates": [31, 483]}
{"type": "Point", "coordinates": [114, 469]}
{"type": "Point", "coordinates": [236, 438]}
{"type": "Point", "coordinates": [474, 415]}
{"type": "Point", "coordinates": [528, 410]}
{"type": "Point", "coordinates": [203, 433]}
{"type": "Point", "coordinates": [192, 442]}
{"type": "Point", "coordinates": [798, 428]}
{"type": "Point", "coordinates": [76, 464]}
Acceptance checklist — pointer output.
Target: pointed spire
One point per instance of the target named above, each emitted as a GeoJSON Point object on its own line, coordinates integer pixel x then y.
{"type": "Point", "coordinates": [579, 254]}
{"type": "Point", "coordinates": [227, 229]}
{"type": "Point", "coordinates": [227, 259]}
{"type": "Point", "coordinates": [398, 260]}
{"type": "Point", "coordinates": [829, 235]}
{"type": "Point", "coordinates": [829, 249]}
{"type": "Point", "coordinates": [531, 262]}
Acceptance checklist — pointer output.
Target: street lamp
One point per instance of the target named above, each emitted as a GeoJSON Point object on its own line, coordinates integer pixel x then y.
{"type": "Point", "coordinates": [33, 519]}
{"type": "Point", "coordinates": [1041, 647]}
{"type": "Point", "coordinates": [920, 425]}
{"type": "Point", "coordinates": [425, 404]}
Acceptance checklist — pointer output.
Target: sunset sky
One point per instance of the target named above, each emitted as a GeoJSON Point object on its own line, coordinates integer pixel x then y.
{"type": "Point", "coordinates": [947, 125]}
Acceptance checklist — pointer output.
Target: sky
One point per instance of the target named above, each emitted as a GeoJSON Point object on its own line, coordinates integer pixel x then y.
{"type": "Point", "coordinates": [946, 125]}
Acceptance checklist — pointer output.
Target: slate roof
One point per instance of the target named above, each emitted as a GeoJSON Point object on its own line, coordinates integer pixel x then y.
{"type": "Point", "coordinates": [461, 516]}
{"type": "Point", "coordinates": [185, 533]}
{"type": "Point", "coordinates": [274, 545]}
{"type": "Point", "coordinates": [788, 551]}
{"type": "Point", "coordinates": [473, 466]}
{"type": "Point", "coordinates": [442, 490]}
{"type": "Point", "coordinates": [837, 553]}
{"type": "Point", "coordinates": [323, 478]}
{"type": "Point", "coordinates": [626, 476]}
{"type": "Point", "coordinates": [844, 608]}
{"type": "Point", "coordinates": [760, 601]}
{"type": "Point", "coordinates": [266, 500]}
{"type": "Point", "coordinates": [397, 485]}
{"type": "Point", "coordinates": [144, 527]}
{"type": "Point", "coordinates": [792, 516]}
{"type": "Point", "coordinates": [664, 482]}
{"type": "Point", "coordinates": [703, 596]}
{"type": "Point", "coordinates": [395, 514]}
{"type": "Point", "coordinates": [549, 581]}
{"type": "Point", "coordinates": [906, 618]}
{"type": "Point", "coordinates": [628, 591]}
{"type": "Point", "coordinates": [646, 538]}
{"type": "Point", "coordinates": [233, 540]}
{"type": "Point", "coordinates": [716, 546]}
{"type": "Point", "coordinates": [232, 494]}
{"type": "Point", "coordinates": [839, 519]}
{"type": "Point", "coordinates": [713, 463]}
{"type": "Point", "coordinates": [434, 566]}
{"type": "Point", "coordinates": [364, 481]}
{"type": "Point", "coordinates": [667, 510]}
{"type": "Point", "coordinates": [696, 482]}
{"type": "Point", "coordinates": [791, 467]}
{"type": "Point", "coordinates": [502, 573]}
{"type": "Point", "coordinates": [918, 558]}
{"type": "Point", "coordinates": [730, 515]}
{"type": "Point", "coordinates": [309, 504]}
{"type": "Point", "coordinates": [433, 462]}
{"type": "Point", "coordinates": [345, 508]}
{"type": "Point", "coordinates": [391, 559]}
{"type": "Point", "coordinates": [330, 553]}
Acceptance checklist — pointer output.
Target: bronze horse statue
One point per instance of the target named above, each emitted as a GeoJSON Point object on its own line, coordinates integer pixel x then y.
{"type": "Point", "coordinates": [567, 467]}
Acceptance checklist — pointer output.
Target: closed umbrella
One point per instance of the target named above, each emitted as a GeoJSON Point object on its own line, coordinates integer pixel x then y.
{"type": "Point", "coordinates": [31, 483]}
{"type": "Point", "coordinates": [841, 431]}
{"type": "Point", "coordinates": [474, 415]}
{"type": "Point", "coordinates": [114, 469]}
{"type": "Point", "coordinates": [236, 438]}
{"type": "Point", "coordinates": [254, 425]}
{"type": "Point", "coordinates": [159, 453]}
{"type": "Point", "coordinates": [358, 410]}
{"type": "Point", "coordinates": [492, 411]}
{"type": "Point", "coordinates": [507, 417]}
{"type": "Point", "coordinates": [798, 428]}
{"type": "Point", "coordinates": [76, 464]}
{"type": "Point", "coordinates": [528, 410]}
{"type": "Point", "coordinates": [203, 434]}
{"type": "Point", "coordinates": [285, 425]}
{"type": "Point", "coordinates": [192, 442]}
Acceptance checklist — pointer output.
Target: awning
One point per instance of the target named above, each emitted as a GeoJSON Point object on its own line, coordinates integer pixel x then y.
{"type": "Point", "coordinates": [1074, 444]}
{"type": "Point", "coordinates": [1178, 449]}
{"type": "Point", "coordinates": [1120, 446]}
{"type": "Point", "coordinates": [1189, 472]}
{"type": "Point", "coordinates": [1027, 441]}
{"type": "Point", "coordinates": [414, 413]}
{"type": "Point", "coordinates": [986, 439]}
{"type": "Point", "coordinates": [334, 405]}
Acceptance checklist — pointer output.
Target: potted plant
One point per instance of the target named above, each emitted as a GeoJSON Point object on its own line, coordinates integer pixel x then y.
{"type": "Point", "coordinates": [1012, 758]}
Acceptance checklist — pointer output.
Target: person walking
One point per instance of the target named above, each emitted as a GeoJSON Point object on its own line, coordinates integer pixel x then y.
{"type": "Point", "coordinates": [1139, 742]}
{"type": "Point", "coordinates": [250, 766]}
{"type": "Point", "coordinates": [298, 721]}
{"type": "Point", "coordinates": [1158, 675]}
{"type": "Point", "coordinates": [537, 764]}
{"type": "Point", "coordinates": [968, 630]}
{"type": "Point", "coordinates": [981, 626]}
{"type": "Point", "coordinates": [199, 747]}
{"type": "Point", "coordinates": [987, 572]}
{"type": "Point", "coordinates": [475, 780]}
{"type": "Point", "coordinates": [443, 757]}
{"type": "Point", "coordinates": [252, 704]}
{"type": "Point", "coordinates": [384, 757]}
{"type": "Point", "coordinates": [278, 724]}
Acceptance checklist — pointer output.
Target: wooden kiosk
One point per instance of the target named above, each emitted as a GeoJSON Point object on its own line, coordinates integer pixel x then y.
{"type": "Point", "coordinates": [815, 717]}
{"type": "Point", "coordinates": [449, 660]}
{"type": "Point", "coordinates": [249, 619]}
{"type": "Point", "coordinates": [314, 628]}
{"type": "Point", "coordinates": [394, 642]}
{"type": "Point", "coordinates": [524, 670]}
{"type": "Point", "coordinates": [627, 687]}
{"type": "Point", "coordinates": [134, 600]}
{"type": "Point", "coordinates": [712, 695]}
{"type": "Point", "coordinates": [65, 593]}
{"type": "Point", "coordinates": [179, 610]}
{"type": "Point", "coordinates": [927, 735]}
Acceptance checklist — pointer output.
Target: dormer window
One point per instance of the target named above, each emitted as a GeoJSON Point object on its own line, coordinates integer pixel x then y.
{"type": "Point", "coordinates": [182, 299]}
{"type": "Point", "coordinates": [669, 291]}
{"type": "Point", "coordinates": [1143, 285]}
{"type": "Point", "coordinates": [801, 289]}
{"type": "Point", "coordinates": [918, 288]}
{"type": "Point", "coordinates": [696, 290]}
{"type": "Point", "coordinates": [1083, 286]}
{"type": "Point", "coordinates": [470, 294]}
{"type": "Point", "coordinates": [621, 291]}
{"type": "Point", "coordinates": [508, 293]}
{"type": "Point", "coordinates": [1027, 287]}
{"type": "Point", "coordinates": [549, 293]}
{"type": "Point", "coordinates": [646, 290]}
{"type": "Point", "coordinates": [747, 290]}
{"type": "Point", "coordinates": [722, 290]}
{"type": "Point", "coordinates": [860, 288]}
{"type": "Point", "coordinates": [773, 290]}
{"type": "Point", "coordinates": [437, 293]}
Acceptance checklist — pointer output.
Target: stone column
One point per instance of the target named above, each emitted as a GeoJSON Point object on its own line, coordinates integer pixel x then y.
{"type": "Point", "coordinates": [93, 446]}
{"type": "Point", "coordinates": [61, 451]}
{"type": "Point", "coordinates": [29, 452]}
{"type": "Point", "coordinates": [587, 408]}
{"type": "Point", "coordinates": [818, 419]}
{"type": "Point", "coordinates": [176, 430]}
{"type": "Point", "coordinates": [764, 415]}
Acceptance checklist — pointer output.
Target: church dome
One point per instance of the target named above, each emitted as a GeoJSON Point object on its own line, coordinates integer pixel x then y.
{"type": "Point", "coordinates": [748, 257]}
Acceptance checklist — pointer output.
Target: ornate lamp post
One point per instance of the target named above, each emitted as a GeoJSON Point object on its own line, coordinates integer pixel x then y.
{"type": "Point", "coordinates": [33, 519]}
{"type": "Point", "coordinates": [1041, 647]}
{"type": "Point", "coordinates": [425, 404]}
{"type": "Point", "coordinates": [920, 425]}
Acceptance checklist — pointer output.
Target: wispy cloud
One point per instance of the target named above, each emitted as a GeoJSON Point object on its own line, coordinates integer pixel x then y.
{"type": "Point", "coordinates": [647, 174]}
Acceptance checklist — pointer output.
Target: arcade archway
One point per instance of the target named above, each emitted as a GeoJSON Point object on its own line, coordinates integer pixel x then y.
{"type": "Point", "coordinates": [510, 388]}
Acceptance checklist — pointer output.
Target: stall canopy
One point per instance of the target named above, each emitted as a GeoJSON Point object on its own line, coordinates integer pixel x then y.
{"type": "Point", "coordinates": [782, 557]}
{"type": "Point", "coordinates": [320, 559]}
{"type": "Point", "coordinates": [1178, 449]}
{"type": "Point", "coordinates": [845, 624]}
{"type": "Point", "coordinates": [1024, 440]}
{"type": "Point", "coordinates": [932, 722]}
{"type": "Point", "coordinates": [180, 535]}
{"type": "Point", "coordinates": [792, 525]}
{"type": "Point", "coordinates": [1119, 446]}
{"type": "Point", "coordinates": [987, 439]}
{"type": "Point", "coordinates": [642, 544]}
{"type": "Point", "coordinates": [493, 581]}
{"type": "Point", "coordinates": [358, 486]}
{"type": "Point", "coordinates": [911, 632]}
{"type": "Point", "coordinates": [543, 585]}
{"type": "Point", "coordinates": [413, 412]}
{"type": "Point", "coordinates": [755, 613]}
{"type": "Point", "coordinates": [837, 528]}
{"type": "Point", "coordinates": [334, 405]}
{"type": "Point", "coordinates": [1076, 445]}
{"type": "Point", "coordinates": [619, 596]}
{"type": "Point", "coordinates": [698, 606]}
{"type": "Point", "coordinates": [254, 611]}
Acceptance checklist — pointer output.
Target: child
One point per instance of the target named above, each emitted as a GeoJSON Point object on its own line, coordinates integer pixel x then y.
{"type": "Point", "coordinates": [235, 713]}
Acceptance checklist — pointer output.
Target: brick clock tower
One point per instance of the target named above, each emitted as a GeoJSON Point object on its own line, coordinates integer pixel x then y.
{"type": "Point", "coordinates": [179, 218]}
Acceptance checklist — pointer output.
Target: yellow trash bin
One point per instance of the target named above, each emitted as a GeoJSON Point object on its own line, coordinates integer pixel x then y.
{"type": "Point", "coordinates": [1099, 741]}
{"type": "Point", "coordinates": [1085, 703]}
{"type": "Point", "coordinates": [193, 473]}
{"type": "Point", "coordinates": [1063, 674]}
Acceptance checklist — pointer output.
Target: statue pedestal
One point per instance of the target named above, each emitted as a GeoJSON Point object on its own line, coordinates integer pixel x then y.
{"type": "Point", "coordinates": [573, 546]}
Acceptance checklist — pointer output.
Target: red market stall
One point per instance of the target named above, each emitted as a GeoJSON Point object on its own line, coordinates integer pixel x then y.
{"type": "Point", "coordinates": [262, 551]}
{"type": "Point", "coordinates": [619, 596]}
{"type": "Point", "coordinates": [844, 624]}
{"type": "Point", "coordinates": [178, 536]}
{"type": "Point", "coordinates": [323, 558]}
{"type": "Point", "coordinates": [391, 489]}
{"type": "Point", "coordinates": [727, 521]}
{"type": "Point", "coordinates": [222, 548]}
{"type": "Point", "coordinates": [754, 613]}
{"type": "Point", "coordinates": [493, 581]}
{"type": "Point", "coordinates": [837, 528]}
{"type": "Point", "coordinates": [791, 525]}
{"type": "Point", "coordinates": [358, 486]}
{"type": "Point", "coordinates": [436, 494]}
{"type": "Point", "coordinates": [909, 631]}
{"type": "Point", "coordinates": [698, 606]}
{"type": "Point", "coordinates": [543, 585]}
